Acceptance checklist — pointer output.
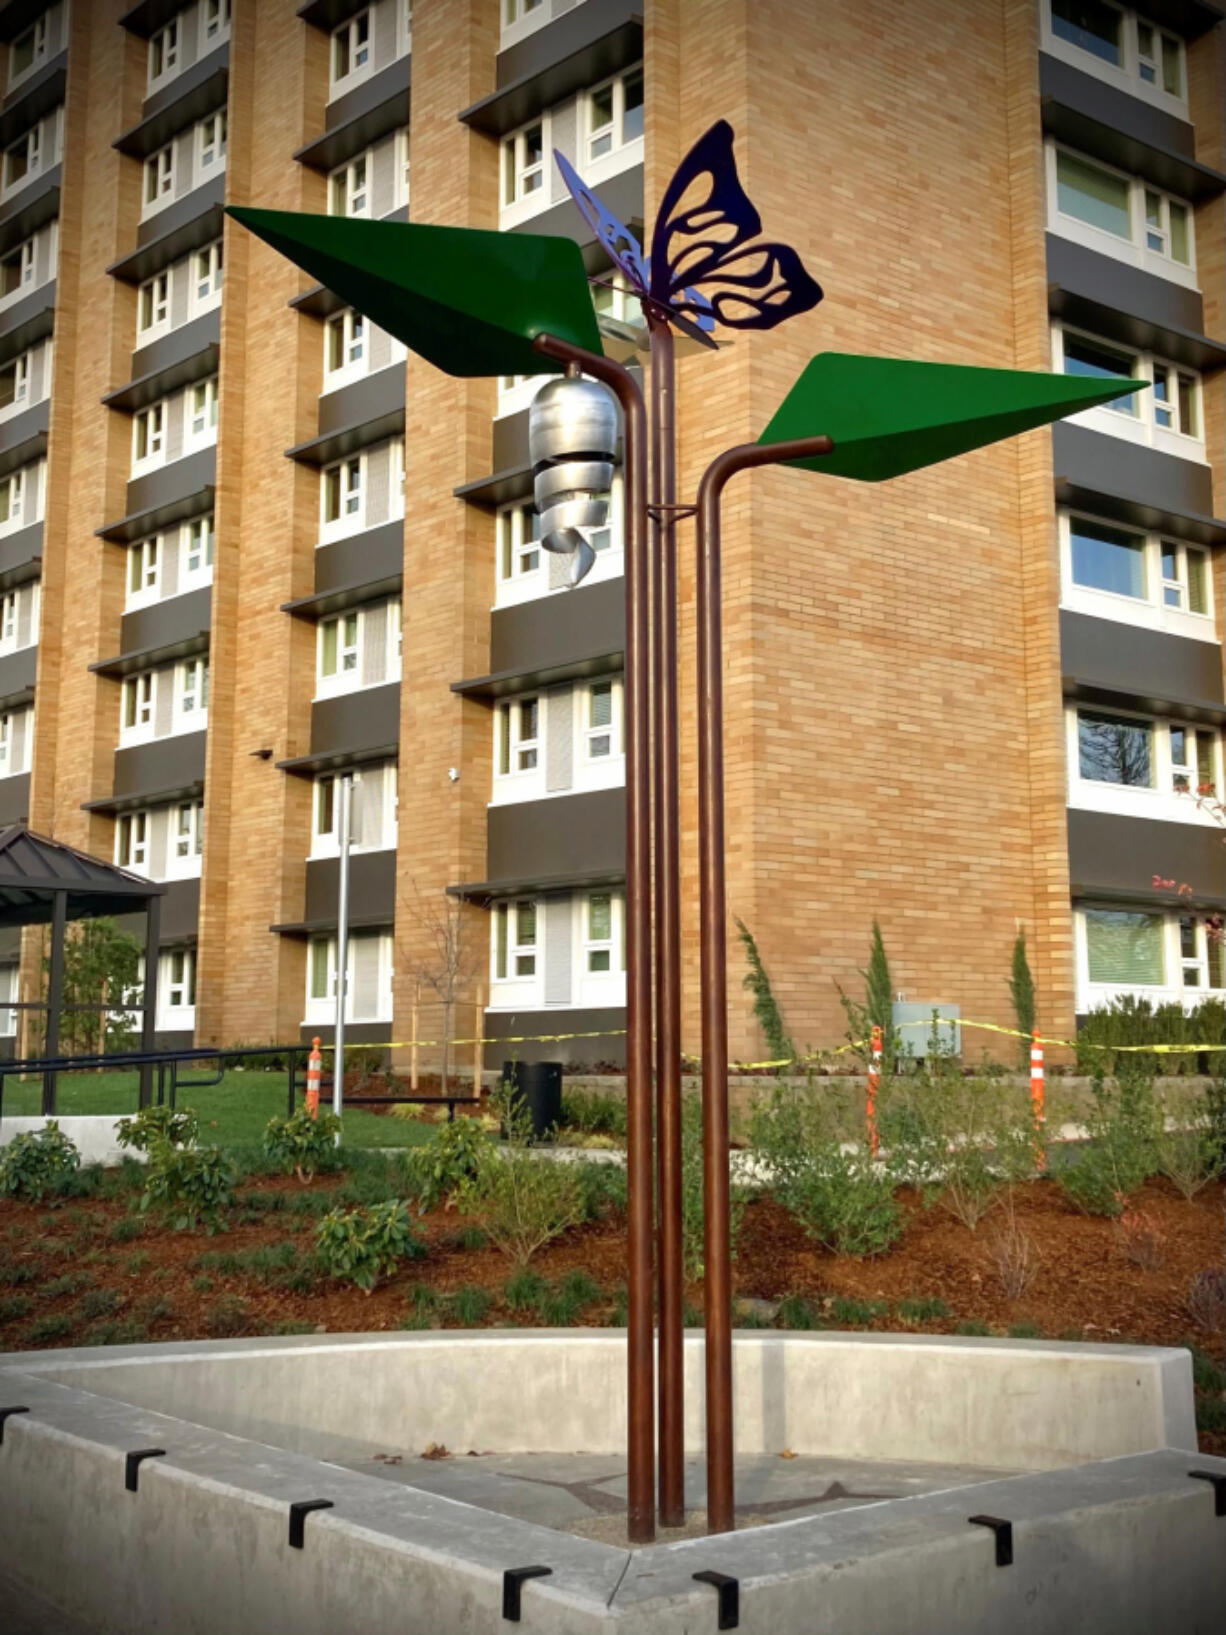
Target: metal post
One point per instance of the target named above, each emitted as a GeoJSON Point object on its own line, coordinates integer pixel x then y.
{"type": "Point", "coordinates": [668, 930]}
{"type": "Point", "coordinates": [342, 947]}
{"type": "Point", "coordinates": [148, 1028]}
{"type": "Point", "coordinates": [721, 1514]}
{"type": "Point", "coordinates": [640, 1404]}
{"type": "Point", "coordinates": [55, 995]}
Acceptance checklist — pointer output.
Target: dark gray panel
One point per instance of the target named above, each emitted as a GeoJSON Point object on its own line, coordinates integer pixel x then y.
{"type": "Point", "coordinates": [371, 398]}
{"type": "Point", "coordinates": [327, 14]}
{"type": "Point", "coordinates": [24, 437]}
{"type": "Point", "coordinates": [34, 97]}
{"type": "Point", "coordinates": [1117, 857]}
{"type": "Point", "coordinates": [1146, 663]}
{"type": "Point", "coordinates": [152, 769]}
{"type": "Point", "coordinates": [580, 48]}
{"type": "Point", "coordinates": [10, 942]}
{"type": "Point", "coordinates": [362, 116]}
{"type": "Point", "coordinates": [199, 222]}
{"type": "Point", "coordinates": [571, 32]}
{"type": "Point", "coordinates": [376, 554]}
{"type": "Point", "coordinates": [372, 888]}
{"type": "Point", "coordinates": [559, 630]}
{"type": "Point", "coordinates": [168, 221]}
{"type": "Point", "coordinates": [510, 441]}
{"type": "Point", "coordinates": [27, 320]}
{"type": "Point", "coordinates": [623, 195]}
{"type": "Point", "coordinates": [177, 347]}
{"type": "Point", "coordinates": [1112, 465]}
{"type": "Point", "coordinates": [552, 839]}
{"type": "Point", "coordinates": [180, 911]}
{"type": "Point", "coordinates": [356, 1033]}
{"type": "Point", "coordinates": [21, 556]}
{"type": "Point", "coordinates": [607, 1022]}
{"type": "Point", "coordinates": [164, 624]}
{"type": "Point", "coordinates": [197, 91]}
{"type": "Point", "coordinates": [1111, 283]}
{"type": "Point", "coordinates": [15, 799]}
{"type": "Point", "coordinates": [178, 480]}
{"type": "Point", "coordinates": [1130, 116]}
{"type": "Point", "coordinates": [18, 672]}
{"type": "Point", "coordinates": [146, 18]}
{"type": "Point", "coordinates": [356, 721]}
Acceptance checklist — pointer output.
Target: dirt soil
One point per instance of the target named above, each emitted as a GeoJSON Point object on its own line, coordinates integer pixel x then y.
{"type": "Point", "coordinates": [1086, 1286]}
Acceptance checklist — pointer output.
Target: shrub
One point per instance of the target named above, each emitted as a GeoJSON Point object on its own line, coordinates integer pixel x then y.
{"type": "Point", "coordinates": [1142, 1239]}
{"type": "Point", "coordinates": [441, 1167]}
{"type": "Point", "coordinates": [97, 1303]}
{"type": "Point", "coordinates": [1206, 1298]}
{"type": "Point", "coordinates": [692, 1213]}
{"type": "Point", "coordinates": [521, 1201]}
{"type": "Point", "coordinates": [191, 1185]}
{"type": "Point", "coordinates": [877, 1009]}
{"type": "Point", "coordinates": [765, 1005]}
{"type": "Point", "coordinates": [361, 1245]}
{"type": "Point", "coordinates": [834, 1190]}
{"type": "Point", "coordinates": [1190, 1154]}
{"type": "Point", "coordinates": [302, 1144]}
{"type": "Point", "coordinates": [1025, 1331]}
{"type": "Point", "coordinates": [525, 1291]}
{"type": "Point", "coordinates": [469, 1305]}
{"type": "Point", "coordinates": [925, 1308]}
{"type": "Point", "coordinates": [594, 1113]}
{"type": "Point", "coordinates": [973, 1330]}
{"type": "Point", "coordinates": [50, 1326]}
{"type": "Point", "coordinates": [34, 1162]}
{"type": "Point", "coordinates": [227, 1317]}
{"type": "Point", "coordinates": [604, 1189]}
{"type": "Point", "coordinates": [1021, 991]}
{"type": "Point", "coordinates": [13, 1306]}
{"type": "Point", "coordinates": [154, 1126]}
{"type": "Point", "coordinates": [794, 1312]}
{"type": "Point", "coordinates": [125, 1229]}
{"type": "Point", "coordinates": [1122, 1151]}
{"type": "Point", "coordinates": [1013, 1256]}
{"type": "Point", "coordinates": [851, 1313]}
{"type": "Point", "coordinates": [1132, 1021]}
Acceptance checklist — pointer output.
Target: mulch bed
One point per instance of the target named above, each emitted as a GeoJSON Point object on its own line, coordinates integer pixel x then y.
{"type": "Point", "coordinates": [1085, 1287]}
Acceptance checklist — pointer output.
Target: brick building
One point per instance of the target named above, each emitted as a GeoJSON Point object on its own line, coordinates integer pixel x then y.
{"type": "Point", "coordinates": [248, 548]}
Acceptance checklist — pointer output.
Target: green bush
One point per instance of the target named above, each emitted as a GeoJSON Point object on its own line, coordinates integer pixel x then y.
{"type": "Point", "coordinates": [154, 1126]}
{"type": "Point", "coordinates": [442, 1166]}
{"type": "Point", "coordinates": [840, 1197]}
{"type": "Point", "coordinates": [521, 1201]}
{"type": "Point", "coordinates": [1132, 1021]}
{"type": "Point", "coordinates": [469, 1305]}
{"type": "Point", "coordinates": [604, 1189]}
{"type": "Point", "coordinates": [34, 1162]}
{"type": "Point", "coordinates": [594, 1113]}
{"type": "Point", "coordinates": [361, 1245]}
{"type": "Point", "coordinates": [765, 1005]}
{"type": "Point", "coordinates": [1021, 991]}
{"type": "Point", "coordinates": [692, 1212]}
{"type": "Point", "coordinates": [1190, 1153]}
{"type": "Point", "coordinates": [301, 1144]}
{"type": "Point", "coordinates": [1122, 1152]}
{"type": "Point", "coordinates": [192, 1185]}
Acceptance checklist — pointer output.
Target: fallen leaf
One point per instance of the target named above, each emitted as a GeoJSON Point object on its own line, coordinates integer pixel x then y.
{"type": "Point", "coordinates": [436, 1450]}
{"type": "Point", "coordinates": [788, 1454]}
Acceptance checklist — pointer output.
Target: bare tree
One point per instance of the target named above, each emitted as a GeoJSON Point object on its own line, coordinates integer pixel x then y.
{"type": "Point", "coordinates": [447, 960]}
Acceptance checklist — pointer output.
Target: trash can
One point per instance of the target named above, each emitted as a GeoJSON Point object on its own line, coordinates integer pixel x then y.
{"type": "Point", "coordinates": [539, 1086]}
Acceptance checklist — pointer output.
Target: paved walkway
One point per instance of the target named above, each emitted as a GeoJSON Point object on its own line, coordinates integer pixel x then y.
{"type": "Point", "coordinates": [24, 1613]}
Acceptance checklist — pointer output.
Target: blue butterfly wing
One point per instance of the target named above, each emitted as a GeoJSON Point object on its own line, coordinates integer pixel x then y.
{"type": "Point", "coordinates": [620, 244]}
{"type": "Point", "coordinates": [704, 261]}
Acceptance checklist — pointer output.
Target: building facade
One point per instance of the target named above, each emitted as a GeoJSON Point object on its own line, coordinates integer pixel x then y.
{"type": "Point", "coordinates": [248, 548]}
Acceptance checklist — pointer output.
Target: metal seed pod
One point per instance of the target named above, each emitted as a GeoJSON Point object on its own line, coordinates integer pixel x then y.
{"type": "Point", "coordinates": [572, 439]}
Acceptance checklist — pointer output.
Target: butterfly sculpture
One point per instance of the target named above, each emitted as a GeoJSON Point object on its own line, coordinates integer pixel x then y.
{"type": "Point", "coordinates": [705, 265]}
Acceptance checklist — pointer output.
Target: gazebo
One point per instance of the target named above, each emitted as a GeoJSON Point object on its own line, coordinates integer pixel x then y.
{"type": "Point", "coordinates": [44, 882]}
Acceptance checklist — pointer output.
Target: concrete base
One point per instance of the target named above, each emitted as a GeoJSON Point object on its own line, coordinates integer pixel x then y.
{"type": "Point", "coordinates": [94, 1136]}
{"type": "Point", "coordinates": [1111, 1535]}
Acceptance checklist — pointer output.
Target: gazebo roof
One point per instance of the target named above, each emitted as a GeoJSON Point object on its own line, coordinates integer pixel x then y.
{"type": "Point", "coordinates": [33, 868]}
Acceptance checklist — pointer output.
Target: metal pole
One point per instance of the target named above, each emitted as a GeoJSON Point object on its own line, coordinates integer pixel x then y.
{"type": "Point", "coordinates": [55, 994]}
{"type": "Point", "coordinates": [668, 930]}
{"type": "Point", "coordinates": [640, 1403]}
{"type": "Point", "coordinates": [153, 929]}
{"type": "Point", "coordinates": [342, 948]}
{"type": "Point", "coordinates": [717, 1284]}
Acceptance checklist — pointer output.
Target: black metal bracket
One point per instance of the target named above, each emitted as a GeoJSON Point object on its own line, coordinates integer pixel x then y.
{"type": "Point", "coordinates": [1219, 1488]}
{"type": "Point", "coordinates": [1004, 1536]}
{"type": "Point", "coordinates": [729, 1591]}
{"type": "Point", "coordinates": [132, 1464]}
{"type": "Point", "coordinates": [5, 1413]}
{"type": "Point", "coordinates": [679, 513]}
{"type": "Point", "coordinates": [513, 1581]}
{"type": "Point", "coordinates": [298, 1513]}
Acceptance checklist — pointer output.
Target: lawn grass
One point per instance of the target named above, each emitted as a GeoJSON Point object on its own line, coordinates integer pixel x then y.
{"type": "Point", "coordinates": [232, 1113]}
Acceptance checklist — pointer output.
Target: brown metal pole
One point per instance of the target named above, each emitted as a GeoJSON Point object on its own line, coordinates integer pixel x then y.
{"type": "Point", "coordinates": [721, 1511]}
{"type": "Point", "coordinates": [640, 1404]}
{"type": "Point", "coordinates": [668, 935]}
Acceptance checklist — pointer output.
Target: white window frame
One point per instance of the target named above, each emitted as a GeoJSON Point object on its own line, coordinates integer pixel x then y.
{"type": "Point", "coordinates": [1132, 249]}
{"type": "Point", "coordinates": [184, 839]}
{"type": "Point", "coordinates": [1142, 422]}
{"type": "Point", "coordinates": [10, 766]}
{"type": "Point", "coordinates": [14, 486]}
{"type": "Point", "coordinates": [145, 560]}
{"type": "Point", "coordinates": [200, 408]}
{"type": "Point", "coordinates": [349, 38]}
{"type": "Point", "coordinates": [164, 54]}
{"type": "Point", "coordinates": [402, 177]}
{"type": "Point", "coordinates": [521, 18]}
{"type": "Point", "coordinates": [154, 418]}
{"type": "Point", "coordinates": [177, 989]}
{"type": "Point", "coordinates": [197, 546]}
{"type": "Point", "coordinates": [23, 256]}
{"type": "Point", "coordinates": [520, 556]}
{"type": "Point", "coordinates": [1152, 611]}
{"type": "Point", "coordinates": [351, 496]}
{"type": "Point", "coordinates": [34, 156]}
{"type": "Point", "coordinates": [137, 707]}
{"type": "Point", "coordinates": [1174, 987]}
{"type": "Point", "coordinates": [321, 1009]}
{"type": "Point", "coordinates": [613, 731]}
{"type": "Point", "coordinates": [510, 953]}
{"type": "Point", "coordinates": [327, 791]}
{"type": "Point", "coordinates": [404, 26]}
{"type": "Point", "coordinates": [396, 478]}
{"type": "Point", "coordinates": [205, 273]}
{"type": "Point", "coordinates": [214, 24]}
{"type": "Point", "coordinates": [133, 831]}
{"type": "Point", "coordinates": [20, 365]}
{"type": "Point", "coordinates": [9, 612]}
{"type": "Point", "coordinates": [1160, 799]}
{"type": "Point", "coordinates": [518, 204]}
{"type": "Point", "coordinates": [1125, 76]}
{"type": "Point", "coordinates": [520, 753]}
{"type": "Point", "coordinates": [191, 695]}
{"type": "Point", "coordinates": [346, 674]}
{"type": "Point", "coordinates": [158, 181]}
{"type": "Point", "coordinates": [621, 151]}
{"type": "Point", "coordinates": [153, 297]}
{"type": "Point", "coordinates": [354, 332]}
{"type": "Point", "coordinates": [38, 52]}
{"type": "Point", "coordinates": [211, 134]}
{"type": "Point", "coordinates": [349, 186]}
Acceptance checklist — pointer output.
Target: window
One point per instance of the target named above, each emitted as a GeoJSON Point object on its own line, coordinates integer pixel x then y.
{"type": "Point", "coordinates": [138, 703]}
{"type": "Point", "coordinates": [406, 25]}
{"type": "Point", "coordinates": [206, 275]}
{"type": "Point", "coordinates": [321, 969]}
{"type": "Point", "coordinates": [338, 646]}
{"type": "Point", "coordinates": [164, 51]}
{"type": "Point", "coordinates": [214, 21]}
{"type": "Point", "coordinates": [15, 382]}
{"type": "Point", "coordinates": [153, 306]}
{"type": "Point", "coordinates": [1148, 226]}
{"type": "Point", "coordinates": [514, 941]}
{"type": "Point", "coordinates": [17, 269]}
{"type": "Point", "coordinates": [1092, 25]}
{"type": "Point", "coordinates": [345, 342]}
{"type": "Point", "coordinates": [198, 540]}
{"type": "Point", "coordinates": [517, 11]}
{"type": "Point", "coordinates": [1167, 231]}
{"type": "Point", "coordinates": [1159, 59]}
{"type": "Point", "coordinates": [1099, 361]}
{"type": "Point", "coordinates": [1185, 577]}
{"type": "Point", "coordinates": [523, 164]}
{"type": "Point", "coordinates": [1125, 948]}
{"type": "Point", "coordinates": [1172, 405]}
{"type": "Point", "coordinates": [1175, 400]}
{"type": "Point", "coordinates": [12, 495]}
{"type": "Point", "coordinates": [614, 114]}
{"type": "Point", "coordinates": [397, 479]}
{"type": "Point", "coordinates": [351, 47]}
{"type": "Point", "coordinates": [519, 532]}
{"type": "Point", "coordinates": [28, 50]}
{"type": "Point", "coordinates": [22, 160]}
{"type": "Point", "coordinates": [1200, 952]}
{"type": "Point", "coordinates": [1109, 559]}
{"type": "Point", "coordinates": [212, 140]}
{"type": "Point", "coordinates": [401, 193]}
{"type": "Point", "coordinates": [1088, 193]}
{"type": "Point", "coordinates": [192, 689]}
{"type": "Point", "coordinates": [8, 621]}
{"type": "Point", "coordinates": [348, 194]}
{"type": "Point", "coordinates": [518, 736]}
{"type": "Point", "coordinates": [1115, 749]}
{"type": "Point", "coordinates": [144, 567]}
{"type": "Point", "coordinates": [187, 831]}
{"type": "Point", "coordinates": [1193, 754]}
{"type": "Point", "coordinates": [179, 981]}
{"type": "Point", "coordinates": [342, 493]}
{"type": "Point", "coordinates": [601, 727]}
{"type": "Point", "coordinates": [1115, 44]}
{"type": "Point", "coordinates": [149, 434]}
{"type": "Point", "coordinates": [160, 176]}
{"type": "Point", "coordinates": [132, 840]}
{"type": "Point", "coordinates": [201, 403]}
{"type": "Point", "coordinates": [600, 956]}
{"type": "Point", "coordinates": [325, 811]}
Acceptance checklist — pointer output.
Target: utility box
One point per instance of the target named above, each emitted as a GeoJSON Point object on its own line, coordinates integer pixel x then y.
{"type": "Point", "coordinates": [914, 1022]}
